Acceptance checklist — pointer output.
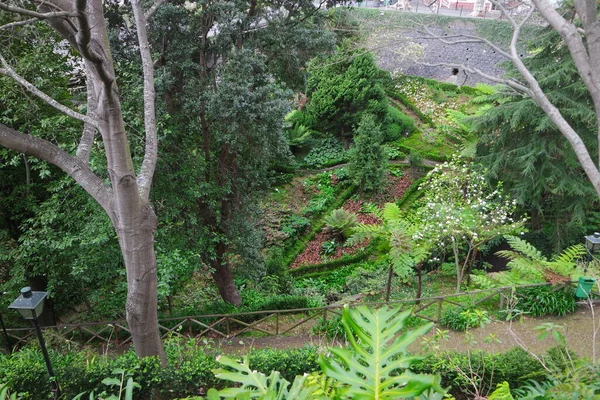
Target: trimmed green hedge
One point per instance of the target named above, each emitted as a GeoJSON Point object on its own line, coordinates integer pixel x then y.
{"type": "Point", "coordinates": [427, 155]}
{"type": "Point", "coordinates": [299, 245]}
{"type": "Point", "coordinates": [189, 371]}
{"type": "Point", "coordinates": [412, 189]}
{"type": "Point", "coordinates": [329, 265]}
{"type": "Point", "coordinates": [406, 102]}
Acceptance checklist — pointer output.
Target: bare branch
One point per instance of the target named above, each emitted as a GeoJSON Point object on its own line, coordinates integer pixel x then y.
{"type": "Point", "coordinates": [35, 14]}
{"type": "Point", "coordinates": [144, 178]}
{"type": "Point", "coordinates": [148, 14]}
{"type": "Point", "coordinates": [509, 82]}
{"type": "Point", "coordinates": [8, 71]}
{"type": "Point", "coordinates": [83, 39]}
{"type": "Point", "coordinates": [18, 23]}
{"type": "Point", "coordinates": [75, 168]}
{"type": "Point", "coordinates": [468, 39]}
{"type": "Point", "coordinates": [89, 131]}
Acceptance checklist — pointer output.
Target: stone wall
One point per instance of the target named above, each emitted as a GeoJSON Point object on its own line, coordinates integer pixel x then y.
{"type": "Point", "coordinates": [433, 51]}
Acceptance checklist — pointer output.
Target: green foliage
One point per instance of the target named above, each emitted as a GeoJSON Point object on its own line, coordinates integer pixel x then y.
{"type": "Point", "coordinates": [295, 225]}
{"type": "Point", "coordinates": [527, 265]}
{"type": "Point", "coordinates": [326, 152]}
{"type": "Point", "coordinates": [397, 125]}
{"type": "Point", "coordinates": [486, 370]}
{"type": "Point", "coordinates": [376, 368]}
{"type": "Point", "coordinates": [378, 365]}
{"type": "Point", "coordinates": [546, 300]}
{"type": "Point", "coordinates": [502, 392]}
{"type": "Point", "coordinates": [461, 211]}
{"type": "Point", "coordinates": [539, 169]}
{"type": "Point", "coordinates": [329, 247]}
{"type": "Point", "coordinates": [342, 88]}
{"type": "Point", "coordinates": [332, 328]}
{"type": "Point", "coordinates": [464, 319]}
{"type": "Point", "coordinates": [368, 161]}
{"type": "Point", "coordinates": [340, 222]}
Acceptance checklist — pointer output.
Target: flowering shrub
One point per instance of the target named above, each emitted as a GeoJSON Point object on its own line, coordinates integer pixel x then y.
{"type": "Point", "coordinates": [460, 210]}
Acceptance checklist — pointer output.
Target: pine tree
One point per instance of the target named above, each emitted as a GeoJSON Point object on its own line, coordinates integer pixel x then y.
{"type": "Point", "coordinates": [368, 163]}
{"type": "Point", "coordinates": [522, 148]}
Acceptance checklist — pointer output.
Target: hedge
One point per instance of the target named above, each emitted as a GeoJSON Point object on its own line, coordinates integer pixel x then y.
{"type": "Point", "coordinates": [189, 371]}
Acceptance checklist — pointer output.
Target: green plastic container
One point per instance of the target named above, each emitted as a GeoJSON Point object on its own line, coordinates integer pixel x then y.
{"type": "Point", "coordinates": [584, 287]}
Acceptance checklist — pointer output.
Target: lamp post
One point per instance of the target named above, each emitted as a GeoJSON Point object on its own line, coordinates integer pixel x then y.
{"type": "Point", "coordinates": [592, 244]}
{"type": "Point", "coordinates": [6, 339]}
{"type": "Point", "coordinates": [30, 305]}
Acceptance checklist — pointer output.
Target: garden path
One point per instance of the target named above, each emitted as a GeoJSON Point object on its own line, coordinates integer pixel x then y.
{"type": "Point", "coordinates": [578, 329]}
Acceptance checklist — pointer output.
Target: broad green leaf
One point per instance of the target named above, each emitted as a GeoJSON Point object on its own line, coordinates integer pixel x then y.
{"type": "Point", "coordinates": [376, 367]}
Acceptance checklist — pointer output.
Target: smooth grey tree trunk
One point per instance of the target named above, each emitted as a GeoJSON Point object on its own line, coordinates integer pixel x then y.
{"type": "Point", "coordinates": [126, 198]}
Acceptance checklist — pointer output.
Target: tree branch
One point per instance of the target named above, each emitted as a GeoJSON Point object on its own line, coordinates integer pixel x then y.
{"type": "Point", "coordinates": [8, 71]}
{"type": "Point", "coordinates": [89, 131]}
{"type": "Point", "coordinates": [148, 14]}
{"type": "Point", "coordinates": [75, 168]}
{"type": "Point", "coordinates": [83, 39]}
{"type": "Point", "coordinates": [18, 23]}
{"type": "Point", "coordinates": [469, 39]}
{"type": "Point", "coordinates": [146, 174]}
{"type": "Point", "coordinates": [35, 14]}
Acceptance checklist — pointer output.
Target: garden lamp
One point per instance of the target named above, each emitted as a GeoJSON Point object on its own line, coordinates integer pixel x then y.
{"type": "Point", "coordinates": [30, 305]}
{"type": "Point", "coordinates": [592, 242]}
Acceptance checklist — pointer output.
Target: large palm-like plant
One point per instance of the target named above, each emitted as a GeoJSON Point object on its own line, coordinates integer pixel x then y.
{"type": "Point", "coordinates": [396, 233]}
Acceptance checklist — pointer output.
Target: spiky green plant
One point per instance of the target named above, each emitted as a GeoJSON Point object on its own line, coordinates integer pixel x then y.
{"type": "Point", "coordinates": [376, 366]}
{"type": "Point", "coordinates": [528, 265]}
{"type": "Point", "coordinates": [341, 222]}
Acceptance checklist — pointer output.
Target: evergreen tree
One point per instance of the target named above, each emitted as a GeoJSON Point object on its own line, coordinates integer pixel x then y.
{"type": "Point", "coordinates": [522, 147]}
{"type": "Point", "coordinates": [341, 89]}
{"type": "Point", "coordinates": [368, 161]}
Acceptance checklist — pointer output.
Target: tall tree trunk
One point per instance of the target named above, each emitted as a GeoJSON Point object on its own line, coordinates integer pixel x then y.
{"type": "Point", "coordinates": [223, 277]}
{"type": "Point", "coordinates": [137, 245]}
{"type": "Point", "coordinates": [419, 282]}
{"type": "Point", "coordinates": [388, 289]}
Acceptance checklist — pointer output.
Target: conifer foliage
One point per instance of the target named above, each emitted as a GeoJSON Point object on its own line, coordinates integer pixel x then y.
{"type": "Point", "coordinates": [368, 161]}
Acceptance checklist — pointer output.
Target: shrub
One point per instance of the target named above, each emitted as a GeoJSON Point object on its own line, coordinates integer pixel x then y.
{"type": "Point", "coordinates": [340, 222]}
{"type": "Point", "coordinates": [546, 300]}
{"type": "Point", "coordinates": [331, 327]}
{"type": "Point", "coordinates": [462, 319]}
{"type": "Point", "coordinates": [368, 161]}
{"type": "Point", "coordinates": [397, 125]}
{"type": "Point", "coordinates": [289, 362]}
{"type": "Point", "coordinates": [326, 153]}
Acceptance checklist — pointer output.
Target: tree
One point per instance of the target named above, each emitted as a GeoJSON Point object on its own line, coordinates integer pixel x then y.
{"type": "Point", "coordinates": [123, 193]}
{"type": "Point", "coordinates": [577, 24]}
{"type": "Point", "coordinates": [539, 170]}
{"type": "Point", "coordinates": [342, 88]}
{"type": "Point", "coordinates": [368, 161]}
{"type": "Point", "coordinates": [401, 251]}
{"type": "Point", "coordinates": [459, 211]}
{"type": "Point", "coordinates": [226, 100]}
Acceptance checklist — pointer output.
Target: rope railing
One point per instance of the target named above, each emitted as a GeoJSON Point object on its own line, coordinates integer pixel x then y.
{"type": "Point", "coordinates": [266, 322]}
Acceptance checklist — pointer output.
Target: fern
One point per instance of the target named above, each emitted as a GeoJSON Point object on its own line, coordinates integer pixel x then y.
{"type": "Point", "coordinates": [377, 366]}
{"type": "Point", "coordinates": [528, 265]}
{"type": "Point", "coordinates": [502, 392]}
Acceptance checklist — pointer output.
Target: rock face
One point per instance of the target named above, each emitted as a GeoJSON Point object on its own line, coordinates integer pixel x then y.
{"type": "Point", "coordinates": [433, 51]}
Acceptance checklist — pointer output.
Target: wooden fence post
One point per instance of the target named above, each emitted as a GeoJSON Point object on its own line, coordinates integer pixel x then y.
{"type": "Point", "coordinates": [276, 324]}
{"type": "Point", "coordinates": [439, 310]}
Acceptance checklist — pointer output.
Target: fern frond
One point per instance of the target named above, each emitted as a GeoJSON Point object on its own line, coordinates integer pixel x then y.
{"type": "Point", "coordinates": [524, 247]}
{"type": "Point", "coordinates": [391, 212]}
